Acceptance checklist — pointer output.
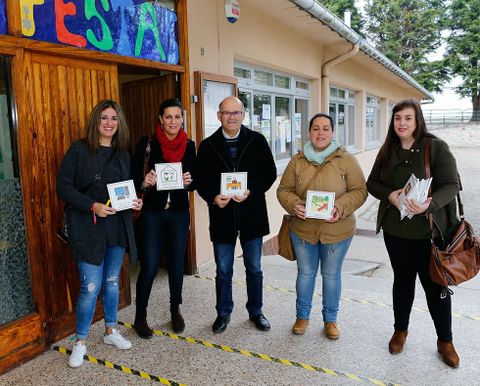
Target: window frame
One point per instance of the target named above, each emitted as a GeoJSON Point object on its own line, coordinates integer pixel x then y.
{"type": "Point", "coordinates": [377, 114]}
{"type": "Point", "coordinates": [247, 85]}
{"type": "Point", "coordinates": [348, 101]}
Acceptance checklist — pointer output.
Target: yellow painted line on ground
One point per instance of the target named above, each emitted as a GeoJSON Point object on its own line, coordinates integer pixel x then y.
{"type": "Point", "coordinates": [122, 368]}
{"type": "Point", "coordinates": [266, 357]}
{"type": "Point", "coordinates": [345, 299]}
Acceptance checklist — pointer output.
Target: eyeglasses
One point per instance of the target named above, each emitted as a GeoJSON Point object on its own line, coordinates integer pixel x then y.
{"type": "Point", "coordinates": [235, 114]}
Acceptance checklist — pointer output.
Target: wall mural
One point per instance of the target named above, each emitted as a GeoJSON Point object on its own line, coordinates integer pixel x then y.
{"type": "Point", "coordinates": [3, 17]}
{"type": "Point", "coordinates": [142, 29]}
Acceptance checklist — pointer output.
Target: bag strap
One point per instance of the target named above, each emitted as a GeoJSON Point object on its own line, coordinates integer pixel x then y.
{"type": "Point", "coordinates": [427, 175]}
{"type": "Point", "coordinates": [148, 150]}
{"type": "Point", "coordinates": [311, 181]}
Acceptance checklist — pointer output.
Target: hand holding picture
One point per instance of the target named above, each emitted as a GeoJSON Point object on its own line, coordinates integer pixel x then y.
{"type": "Point", "coordinates": [150, 179]}
{"type": "Point", "coordinates": [335, 215]}
{"type": "Point", "coordinates": [187, 178]}
{"type": "Point", "coordinates": [300, 211]}
{"type": "Point", "coordinates": [137, 204]}
{"type": "Point", "coordinates": [102, 210]}
{"type": "Point", "coordinates": [221, 201]}
{"type": "Point", "coordinates": [240, 198]}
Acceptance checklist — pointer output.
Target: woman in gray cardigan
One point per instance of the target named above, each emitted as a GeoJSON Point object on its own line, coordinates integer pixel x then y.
{"type": "Point", "coordinates": [98, 234]}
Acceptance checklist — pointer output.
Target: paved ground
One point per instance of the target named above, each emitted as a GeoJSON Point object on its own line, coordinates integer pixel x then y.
{"type": "Point", "coordinates": [245, 356]}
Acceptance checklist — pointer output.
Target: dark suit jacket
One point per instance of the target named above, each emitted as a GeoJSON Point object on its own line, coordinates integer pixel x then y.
{"type": "Point", "coordinates": [249, 218]}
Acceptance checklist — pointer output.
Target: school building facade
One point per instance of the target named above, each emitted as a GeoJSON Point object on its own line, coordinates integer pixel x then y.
{"type": "Point", "coordinates": [285, 59]}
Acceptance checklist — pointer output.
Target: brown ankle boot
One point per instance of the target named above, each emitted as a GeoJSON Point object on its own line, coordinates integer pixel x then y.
{"type": "Point", "coordinates": [331, 330]}
{"type": "Point", "coordinates": [300, 326]}
{"type": "Point", "coordinates": [395, 346]}
{"type": "Point", "coordinates": [448, 353]}
{"type": "Point", "coordinates": [178, 324]}
{"type": "Point", "coordinates": [141, 327]}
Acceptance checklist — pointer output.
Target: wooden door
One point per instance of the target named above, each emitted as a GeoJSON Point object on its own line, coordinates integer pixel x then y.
{"type": "Point", "coordinates": [141, 100]}
{"type": "Point", "coordinates": [59, 94]}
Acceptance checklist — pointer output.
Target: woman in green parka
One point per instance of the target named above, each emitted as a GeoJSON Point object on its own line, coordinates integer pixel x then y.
{"type": "Point", "coordinates": [408, 240]}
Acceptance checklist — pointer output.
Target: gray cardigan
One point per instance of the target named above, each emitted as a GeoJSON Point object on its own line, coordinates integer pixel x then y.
{"type": "Point", "coordinates": [88, 241]}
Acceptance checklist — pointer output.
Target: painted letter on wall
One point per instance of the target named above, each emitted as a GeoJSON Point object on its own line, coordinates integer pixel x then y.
{"type": "Point", "coordinates": [142, 29]}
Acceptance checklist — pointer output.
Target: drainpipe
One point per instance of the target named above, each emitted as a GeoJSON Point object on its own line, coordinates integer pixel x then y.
{"type": "Point", "coordinates": [326, 75]}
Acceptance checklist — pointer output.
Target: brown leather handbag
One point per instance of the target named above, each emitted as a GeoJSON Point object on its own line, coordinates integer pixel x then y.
{"type": "Point", "coordinates": [285, 247]}
{"type": "Point", "coordinates": [460, 260]}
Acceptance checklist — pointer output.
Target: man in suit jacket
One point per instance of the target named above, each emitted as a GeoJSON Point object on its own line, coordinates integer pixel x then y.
{"type": "Point", "coordinates": [235, 148]}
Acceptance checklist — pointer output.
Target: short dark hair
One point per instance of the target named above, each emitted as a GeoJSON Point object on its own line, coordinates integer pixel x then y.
{"type": "Point", "coordinates": [321, 115]}
{"type": "Point", "coordinates": [171, 102]}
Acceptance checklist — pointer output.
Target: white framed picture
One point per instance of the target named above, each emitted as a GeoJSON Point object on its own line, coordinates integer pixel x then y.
{"type": "Point", "coordinates": [320, 204]}
{"type": "Point", "coordinates": [169, 176]}
{"type": "Point", "coordinates": [232, 184]}
{"type": "Point", "coordinates": [122, 194]}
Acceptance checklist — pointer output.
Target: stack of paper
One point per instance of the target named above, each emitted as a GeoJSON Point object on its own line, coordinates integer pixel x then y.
{"type": "Point", "coordinates": [414, 189]}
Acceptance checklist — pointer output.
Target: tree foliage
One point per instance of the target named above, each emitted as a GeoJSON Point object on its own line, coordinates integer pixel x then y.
{"type": "Point", "coordinates": [407, 32]}
{"type": "Point", "coordinates": [338, 8]}
{"type": "Point", "coordinates": [463, 48]}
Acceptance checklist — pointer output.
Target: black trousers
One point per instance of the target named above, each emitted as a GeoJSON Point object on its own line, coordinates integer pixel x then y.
{"type": "Point", "coordinates": [409, 258]}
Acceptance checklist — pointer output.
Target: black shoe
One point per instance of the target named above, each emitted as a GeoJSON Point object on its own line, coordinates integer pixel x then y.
{"type": "Point", "coordinates": [178, 324]}
{"type": "Point", "coordinates": [220, 323]}
{"type": "Point", "coordinates": [141, 327]}
{"type": "Point", "coordinates": [261, 322]}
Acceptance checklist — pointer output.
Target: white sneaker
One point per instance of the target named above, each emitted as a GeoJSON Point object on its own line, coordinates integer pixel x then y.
{"type": "Point", "coordinates": [117, 340]}
{"type": "Point", "coordinates": [76, 358]}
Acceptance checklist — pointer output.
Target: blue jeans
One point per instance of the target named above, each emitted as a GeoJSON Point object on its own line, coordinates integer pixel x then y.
{"type": "Point", "coordinates": [92, 278]}
{"type": "Point", "coordinates": [162, 229]}
{"type": "Point", "coordinates": [330, 257]}
{"type": "Point", "coordinates": [224, 254]}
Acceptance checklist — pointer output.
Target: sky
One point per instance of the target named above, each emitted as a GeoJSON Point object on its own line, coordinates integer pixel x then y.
{"type": "Point", "coordinates": [448, 99]}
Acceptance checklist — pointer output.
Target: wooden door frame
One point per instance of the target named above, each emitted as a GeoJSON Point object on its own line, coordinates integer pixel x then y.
{"type": "Point", "coordinates": [26, 337]}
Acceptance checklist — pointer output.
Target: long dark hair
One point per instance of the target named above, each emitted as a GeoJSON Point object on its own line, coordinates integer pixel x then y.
{"type": "Point", "coordinates": [392, 140]}
{"type": "Point", "coordinates": [92, 136]}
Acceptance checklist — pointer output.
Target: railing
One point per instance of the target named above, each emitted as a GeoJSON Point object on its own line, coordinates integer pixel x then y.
{"type": "Point", "coordinates": [450, 117]}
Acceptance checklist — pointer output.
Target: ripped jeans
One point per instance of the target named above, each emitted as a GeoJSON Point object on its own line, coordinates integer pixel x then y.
{"type": "Point", "coordinates": [92, 278]}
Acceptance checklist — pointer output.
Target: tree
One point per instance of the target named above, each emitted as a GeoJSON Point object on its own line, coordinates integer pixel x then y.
{"type": "Point", "coordinates": [463, 49]}
{"type": "Point", "coordinates": [407, 32]}
{"type": "Point", "coordinates": [338, 8]}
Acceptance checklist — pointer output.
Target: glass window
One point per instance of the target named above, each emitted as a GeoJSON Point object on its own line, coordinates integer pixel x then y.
{"type": "Point", "coordinates": [262, 115]}
{"type": "Point", "coordinates": [373, 111]}
{"type": "Point", "coordinates": [283, 128]}
{"type": "Point", "coordinates": [342, 111]}
{"type": "Point", "coordinates": [278, 110]}
{"type": "Point", "coordinates": [263, 78]}
{"type": "Point", "coordinates": [16, 298]}
{"type": "Point", "coordinates": [282, 81]}
{"type": "Point", "coordinates": [300, 124]}
{"type": "Point", "coordinates": [302, 85]}
{"type": "Point", "coordinates": [242, 73]}
{"type": "Point", "coordinates": [246, 99]}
